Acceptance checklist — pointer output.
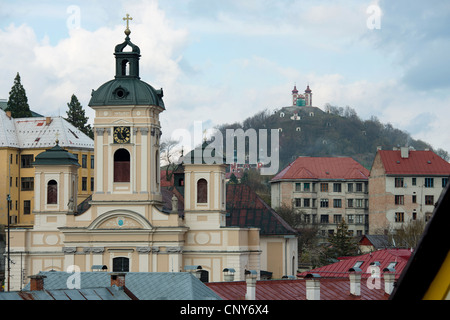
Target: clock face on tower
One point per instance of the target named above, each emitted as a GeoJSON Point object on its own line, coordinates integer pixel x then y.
{"type": "Point", "coordinates": [121, 134]}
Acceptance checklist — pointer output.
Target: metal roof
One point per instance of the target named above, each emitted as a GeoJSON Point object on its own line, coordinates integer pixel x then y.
{"type": "Point", "coordinates": [144, 285]}
{"type": "Point", "coordinates": [56, 156]}
{"type": "Point", "coordinates": [330, 289]}
{"type": "Point", "coordinates": [384, 257]}
{"type": "Point", "coordinates": [111, 293]}
{"type": "Point", "coordinates": [41, 132]}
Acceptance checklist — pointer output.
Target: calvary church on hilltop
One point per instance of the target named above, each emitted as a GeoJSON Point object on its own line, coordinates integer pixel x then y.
{"type": "Point", "coordinates": [133, 223]}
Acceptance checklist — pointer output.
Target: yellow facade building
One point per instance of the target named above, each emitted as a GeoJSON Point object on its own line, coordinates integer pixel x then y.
{"type": "Point", "coordinates": [21, 140]}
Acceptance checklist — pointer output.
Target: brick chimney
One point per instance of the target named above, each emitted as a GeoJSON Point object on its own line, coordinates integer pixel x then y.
{"type": "Point", "coordinates": [8, 114]}
{"type": "Point", "coordinates": [355, 281]}
{"type": "Point", "coordinates": [48, 120]}
{"type": "Point", "coordinates": [118, 279]}
{"type": "Point", "coordinates": [312, 286]}
{"type": "Point", "coordinates": [37, 282]}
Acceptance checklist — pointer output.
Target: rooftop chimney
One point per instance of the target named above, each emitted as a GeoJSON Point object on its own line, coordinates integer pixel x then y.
{"type": "Point", "coordinates": [8, 114]}
{"type": "Point", "coordinates": [37, 282]}
{"type": "Point", "coordinates": [389, 280]}
{"type": "Point", "coordinates": [118, 279]}
{"type": "Point", "coordinates": [228, 274]}
{"type": "Point", "coordinates": [404, 152]}
{"type": "Point", "coordinates": [250, 278]}
{"type": "Point", "coordinates": [312, 286]}
{"type": "Point", "coordinates": [355, 281]}
{"type": "Point", "coordinates": [48, 120]}
{"type": "Point", "coordinates": [195, 270]}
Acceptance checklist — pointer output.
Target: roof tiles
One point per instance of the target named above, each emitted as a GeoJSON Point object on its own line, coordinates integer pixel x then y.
{"type": "Point", "coordinates": [327, 168]}
{"type": "Point", "coordinates": [417, 163]}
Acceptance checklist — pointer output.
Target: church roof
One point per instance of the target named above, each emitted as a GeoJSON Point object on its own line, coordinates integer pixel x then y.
{"type": "Point", "coordinates": [246, 209]}
{"type": "Point", "coordinates": [126, 91]}
{"type": "Point", "coordinates": [56, 156]}
{"type": "Point", "coordinates": [41, 132]}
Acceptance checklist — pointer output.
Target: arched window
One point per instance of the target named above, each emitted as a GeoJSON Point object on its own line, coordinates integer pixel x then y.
{"type": "Point", "coordinates": [52, 192]}
{"type": "Point", "coordinates": [202, 191]}
{"type": "Point", "coordinates": [121, 264]}
{"type": "Point", "coordinates": [125, 68]}
{"type": "Point", "coordinates": [121, 166]}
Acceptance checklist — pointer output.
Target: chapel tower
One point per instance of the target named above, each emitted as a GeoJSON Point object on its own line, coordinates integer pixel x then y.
{"type": "Point", "coordinates": [127, 132]}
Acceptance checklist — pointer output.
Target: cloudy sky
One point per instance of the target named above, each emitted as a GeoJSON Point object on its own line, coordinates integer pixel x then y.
{"type": "Point", "coordinates": [222, 61]}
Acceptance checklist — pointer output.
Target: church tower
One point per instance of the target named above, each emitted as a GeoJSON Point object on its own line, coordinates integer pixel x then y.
{"type": "Point", "coordinates": [308, 96]}
{"type": "Point", "coordinates": [294, 96]}
{"type": "Point", "coordinates": [127, 132]}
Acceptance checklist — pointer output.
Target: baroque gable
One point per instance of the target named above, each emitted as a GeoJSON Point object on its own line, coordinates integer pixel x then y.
{"type": "Point", "coordinates": [120, 219]}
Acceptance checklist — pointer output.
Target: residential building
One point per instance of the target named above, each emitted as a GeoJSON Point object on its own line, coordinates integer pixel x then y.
{"type": "Point", "coordinates": [405, 185]}
{"type": "Point", "coordinates": [430, 261]}
{"type": "Point", "coordinates": [325, 191]}
{"type": "Point", "coordinates": [21, 140]}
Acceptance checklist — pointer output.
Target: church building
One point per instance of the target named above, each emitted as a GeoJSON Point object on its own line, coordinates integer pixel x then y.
{"type": "Point", "coordinates": [127, 226]}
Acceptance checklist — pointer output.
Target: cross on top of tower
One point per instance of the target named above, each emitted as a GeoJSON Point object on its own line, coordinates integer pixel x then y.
{"type": "Point", "coordinates": [127, 19]}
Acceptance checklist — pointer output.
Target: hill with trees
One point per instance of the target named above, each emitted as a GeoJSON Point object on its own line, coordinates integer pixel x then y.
{"type": "Point", "coordinates": [335, 131]}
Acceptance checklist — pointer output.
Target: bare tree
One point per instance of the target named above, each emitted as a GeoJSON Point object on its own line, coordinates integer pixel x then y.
{"type": "Point", "coordinates": [170, 155]}
{"type": "Point", "coordinates": [408, 235]}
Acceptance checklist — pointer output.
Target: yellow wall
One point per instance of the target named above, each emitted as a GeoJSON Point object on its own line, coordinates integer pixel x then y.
{"type": "Point", "coordinates": [13, 169]}
{"type": "Point", "coordinates": [440, 287]}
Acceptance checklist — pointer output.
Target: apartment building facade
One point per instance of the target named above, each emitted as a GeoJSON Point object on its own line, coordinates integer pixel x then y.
{"type": "Point", "coordinates": [325, 191]}
{"type": "Point", "coordinates": [404, 185]}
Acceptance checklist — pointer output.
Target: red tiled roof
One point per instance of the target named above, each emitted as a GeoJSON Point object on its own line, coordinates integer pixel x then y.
{"type": "Point", "coordinates": [330, 289]}
{"type": "Point", "coordinates": [417, 163]}
{"type": "Point", "coordinates": [246, 209]}
{"type": "Point", "coordinates": [384, 257]}
{"type": "Point", "coordinates": [323, 168]}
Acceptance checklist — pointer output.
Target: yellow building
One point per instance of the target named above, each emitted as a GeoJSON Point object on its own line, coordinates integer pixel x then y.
{"type": "Point", "coordinates": [21, 140]}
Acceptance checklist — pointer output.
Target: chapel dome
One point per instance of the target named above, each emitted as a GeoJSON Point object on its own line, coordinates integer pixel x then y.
{"type": "Point", "coordinates": [126, 88]}
{"type": "Point", "coordinates": [126, 91]}
{"type": "Point", "coordinates": [56, 156]}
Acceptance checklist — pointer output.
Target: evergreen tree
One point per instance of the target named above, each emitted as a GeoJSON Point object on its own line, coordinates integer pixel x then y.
{"type": "Point", "coordinates": [341, 243]}
{"type": "Point", "coordinates": [76, 116]}
{"type": "Point", "coordinates": [233, 179]}
{"type": "Point", "coordinates": [18, 101]}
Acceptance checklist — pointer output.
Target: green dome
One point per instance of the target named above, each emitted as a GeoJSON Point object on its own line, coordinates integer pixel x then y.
{"type": "Point", "coordinates": [56, 156]}
{"type": "Point", "coordinates": [126, 91]}
{"type": "Point", "coordinates": [126, 88]}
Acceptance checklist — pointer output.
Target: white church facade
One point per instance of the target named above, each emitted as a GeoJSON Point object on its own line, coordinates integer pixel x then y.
{"type": "Point", "coordinates": [126, 226]}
